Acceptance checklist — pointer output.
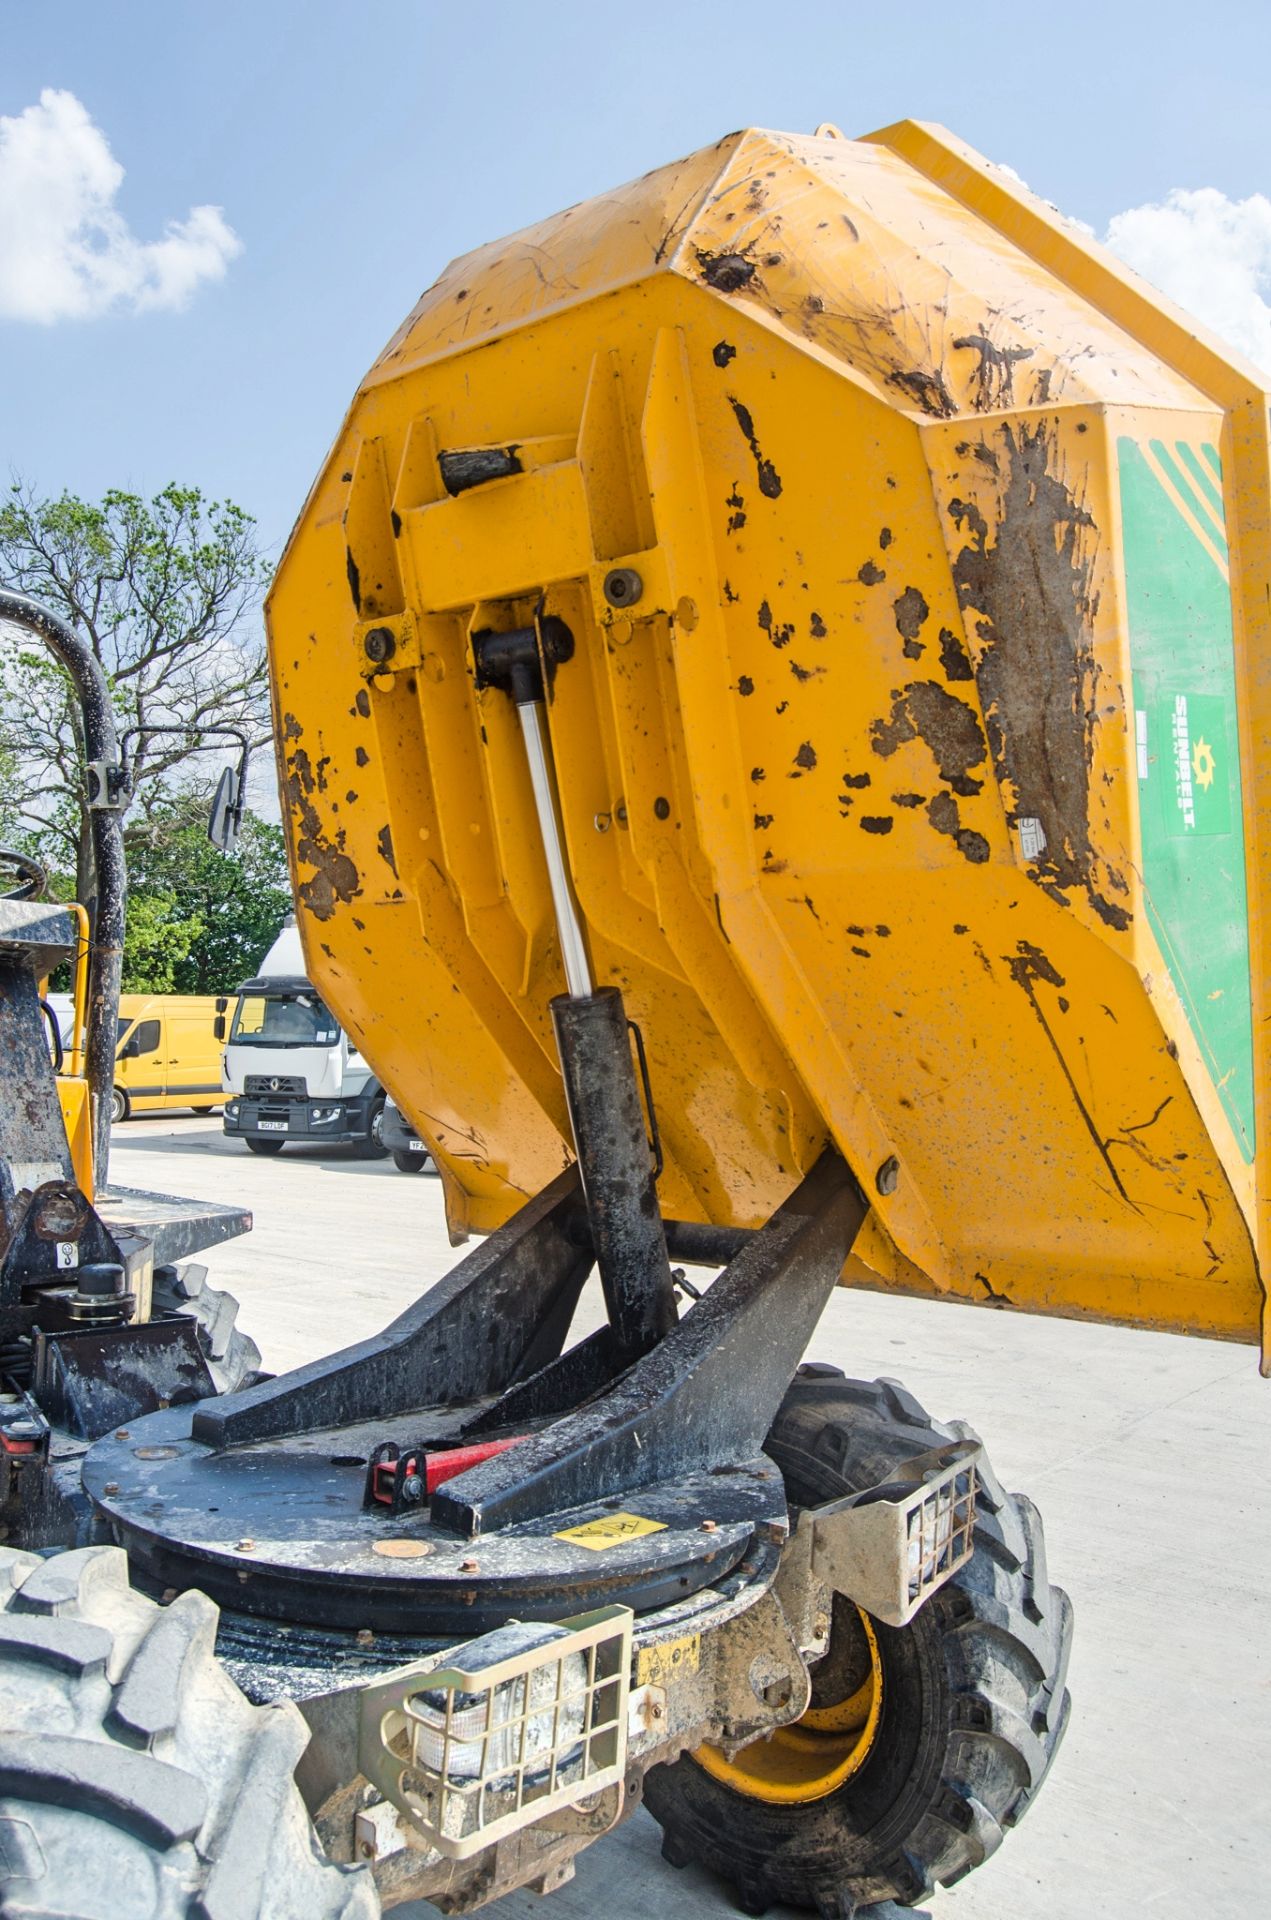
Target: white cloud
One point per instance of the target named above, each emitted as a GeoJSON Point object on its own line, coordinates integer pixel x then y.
{"type": "Point", "coordinates": [1210, 254]}
{"type": "Point", "coordinates": [66, 252]}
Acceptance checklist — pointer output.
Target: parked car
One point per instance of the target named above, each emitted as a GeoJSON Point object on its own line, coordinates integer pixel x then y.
{"type": "Point", "coordinates": [410, 1155]}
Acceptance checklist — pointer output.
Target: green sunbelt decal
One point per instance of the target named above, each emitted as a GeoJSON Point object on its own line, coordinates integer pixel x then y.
{"type": "Point", "coordinates": [1187, 745]}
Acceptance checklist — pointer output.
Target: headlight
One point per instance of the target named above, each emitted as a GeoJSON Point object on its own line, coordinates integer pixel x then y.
{"type": "Point", "coordinates": [529, 1718]}
{"type": "Point", "coordinates": [478, 1736]}
{"type": "Point", "coordinates": [323, 1116]}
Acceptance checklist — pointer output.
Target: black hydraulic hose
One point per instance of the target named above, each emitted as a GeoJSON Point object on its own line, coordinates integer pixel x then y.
{"type": "Point", "coordinates": [106, 956]}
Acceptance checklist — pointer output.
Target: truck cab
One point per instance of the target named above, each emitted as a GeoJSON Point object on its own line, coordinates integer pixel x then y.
{"type": "Point", "coordinates": [288, 1069]}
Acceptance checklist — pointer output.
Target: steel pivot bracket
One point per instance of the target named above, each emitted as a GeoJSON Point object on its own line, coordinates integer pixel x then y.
{"type": "Point", "coordinates": [891, 1547]}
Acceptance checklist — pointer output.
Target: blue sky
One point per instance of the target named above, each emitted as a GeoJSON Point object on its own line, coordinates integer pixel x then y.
{"type": "Point", "coordinates": [355, 148]}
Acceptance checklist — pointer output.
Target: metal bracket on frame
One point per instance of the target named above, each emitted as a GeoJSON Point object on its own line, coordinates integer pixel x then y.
{"type": "Point", "coordinates": [891, 1547]}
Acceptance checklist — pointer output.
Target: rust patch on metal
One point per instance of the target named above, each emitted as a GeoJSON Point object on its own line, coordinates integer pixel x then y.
{"type": "Point", "coordinates": [954, 658]}
{"type": "Point", "coordinates": [876, 823]}
{"type": "Point", "coordinates": [722, 352]}
{"type": "Point", "coordinates": [384, 841]}
{"type": "Point", "coordinates": [911, 610]}
{"type": "Point", "coordinates": [995, 375]}
{"type": "Point", "coordinates": [335, 879]}
{"type": "Point", "coordinates": [769, 478]}
{"type": "Point", "coordinates": [950, 729]}
{"type": "Point", "coordinates": [1027, 586]}
{"type": "Point", "coordinates": [725, 272]}
{"type": "Point", "coordinates": [355, 579]}
{"type": "Point", "coordinates": [870, 575]}
{"type": "Point", "coordinates": [926, 389]}
{"type": "Point", "coordinates": [942, 812]}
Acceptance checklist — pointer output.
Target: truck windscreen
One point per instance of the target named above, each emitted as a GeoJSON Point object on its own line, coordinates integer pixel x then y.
{"type": "Point", "coordinates": [282, 1020]}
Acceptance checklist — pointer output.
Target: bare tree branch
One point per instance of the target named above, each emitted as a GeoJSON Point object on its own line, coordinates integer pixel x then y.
{"type": "Point", "coordinates": [167, 591]}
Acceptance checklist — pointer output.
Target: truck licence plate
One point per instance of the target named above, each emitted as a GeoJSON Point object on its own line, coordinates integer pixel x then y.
{"type": "Point", "coordinates": [416, 1146]}
{"type": "Point", "coordinates": [272, 1126]}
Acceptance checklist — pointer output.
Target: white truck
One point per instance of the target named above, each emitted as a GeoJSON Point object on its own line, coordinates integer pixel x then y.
{"type": "Point", "coordinates": [290, 1072]}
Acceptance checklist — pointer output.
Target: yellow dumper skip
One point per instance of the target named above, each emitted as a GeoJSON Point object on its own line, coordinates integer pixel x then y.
{"type": "Point", "coordinates": [914, 790]}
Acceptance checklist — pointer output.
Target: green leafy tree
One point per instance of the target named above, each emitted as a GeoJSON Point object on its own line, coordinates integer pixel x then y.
{"type": "Point", "coordinates": [166, 591]}
{"type": "Point", "coordinates": [236, 902]}
{"type": "Point", "coordinates": [157, 943]}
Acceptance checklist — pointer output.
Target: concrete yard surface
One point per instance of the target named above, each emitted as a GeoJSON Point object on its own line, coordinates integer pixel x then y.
{"type": "Point", "coordinates": [1146, 1453]}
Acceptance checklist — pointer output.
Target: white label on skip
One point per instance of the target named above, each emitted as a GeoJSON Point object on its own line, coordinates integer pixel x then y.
{"type": "Point", "coordinates": [67, 1253]}
{"type": "Point", "coordinates": [1032, 838]}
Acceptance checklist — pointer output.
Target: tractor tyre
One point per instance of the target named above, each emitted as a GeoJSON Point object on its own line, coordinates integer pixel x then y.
{"type": "Point", "coordinates": [966, 1705]}
{"type": "Point", "coordinates": [136, 1781]}
{"type": "Point", "coordinates": [267, 1147]}
{"type": "Point", "coordinates": [232, 1356]}
{"type": "Point", "coordinates": [120, 1106]}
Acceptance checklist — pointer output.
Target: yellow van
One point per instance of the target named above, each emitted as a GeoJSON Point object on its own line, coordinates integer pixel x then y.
{"type": "Point", "coordinates": [167, 1054]}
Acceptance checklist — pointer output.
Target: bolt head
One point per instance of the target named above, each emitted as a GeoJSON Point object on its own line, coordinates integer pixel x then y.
{"type": "Point", "coordinates": [887, 1179]}
{"type": "Point", "coordinates": [468, 1566]}
{"type": "Point", "coordinates": [380, 644]}
{"type": "Point", "coordinates": [246, 1546]}
{"type": "Point", "coordinates": [623, 586]}
{"type": "Point", "coordinates": [710, 1526]}
{"type": "Point", "coordinates": [111, 1486]}
{"type": "Point", "coordinates": [412, 1487]}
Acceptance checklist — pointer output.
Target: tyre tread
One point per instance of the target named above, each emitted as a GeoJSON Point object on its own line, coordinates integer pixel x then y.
{"type": "Point", "coordinates": [1004, 1635]}
{"type": "Point", "coordinates": [151, 1740]}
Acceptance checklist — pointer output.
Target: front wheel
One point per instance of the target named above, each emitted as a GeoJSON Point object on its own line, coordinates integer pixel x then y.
{"type": "Point", "coordinates": [922, 1744]}
{"type": "Point", "coordinates": [407, 1162]}
{"type": "Point", "coordinates": [120, 1106]}
{"type": "Point", "coordinates": [139, 1781]}
{"type": "Point", "coordinates": [256, 1145]}
{"type": "Point", "coordinates": [373, 1147]}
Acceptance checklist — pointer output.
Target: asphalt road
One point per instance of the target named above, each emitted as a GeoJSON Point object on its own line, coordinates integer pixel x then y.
{"type": "Point", "coordinates": [1147, 1454]}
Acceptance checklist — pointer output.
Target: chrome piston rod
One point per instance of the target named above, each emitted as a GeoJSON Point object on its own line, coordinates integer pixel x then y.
{"type": "Point", "coordinates": [592, 1036]}
{"type": "Point", "coordinates": [569, 932]}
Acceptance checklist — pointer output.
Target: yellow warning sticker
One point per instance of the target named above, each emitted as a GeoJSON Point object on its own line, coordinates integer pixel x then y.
{"type": "Point", "coordinates": [610, 1531]}
{"type": "Point", "coordinates": [658, 1665]}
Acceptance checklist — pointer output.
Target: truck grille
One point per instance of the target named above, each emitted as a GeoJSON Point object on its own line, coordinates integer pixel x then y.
{"type": "Point", "coordinates": [259, 1086]}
